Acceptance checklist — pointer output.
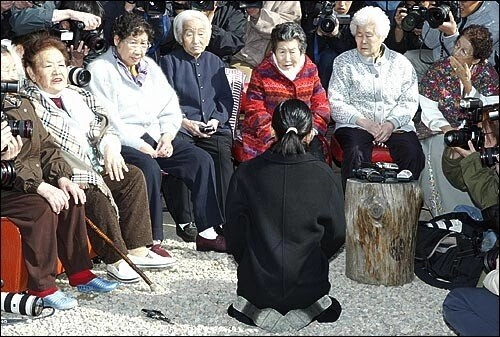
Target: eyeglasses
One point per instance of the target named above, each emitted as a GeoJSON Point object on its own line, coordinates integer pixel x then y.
{"type": "Point", "coordinates": [460, 51]}
{"type": "Point", "coordinates": [135, 44]}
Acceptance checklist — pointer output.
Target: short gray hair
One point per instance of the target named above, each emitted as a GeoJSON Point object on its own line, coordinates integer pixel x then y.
{"type": "Point", "coordinates": [371, 15]}
{"type": "Point", "coordinates": [288, 31]}
{"type": "Point", "coordinates": [188, 15]}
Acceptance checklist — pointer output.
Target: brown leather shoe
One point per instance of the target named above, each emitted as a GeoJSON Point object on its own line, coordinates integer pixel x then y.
{"type": "Point", "coordinates": [216, 245]}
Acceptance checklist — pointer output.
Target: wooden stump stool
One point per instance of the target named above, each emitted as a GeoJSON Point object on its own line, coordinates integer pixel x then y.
{"type": "Point", "coordinates": [381, 221]}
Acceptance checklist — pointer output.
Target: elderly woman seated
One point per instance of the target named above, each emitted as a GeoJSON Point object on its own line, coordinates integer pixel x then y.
{"type": "Point", "coordinates": [144, 109]}
{"type": "Point", "coordinates": [205, 98]}
{"type": "Point", "coordinates": [373, 94]}
{"type": "Point", "coordinates": [80, 128]}
{"type": "Point", "coordinates": [285, 73]}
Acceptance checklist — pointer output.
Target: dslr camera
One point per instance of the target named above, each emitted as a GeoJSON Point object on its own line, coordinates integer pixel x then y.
{"type": "Point", "coordinates": [327, 20]}
{"type": "Point", "coordinates": [435, 15]}
{"type": "Point", "coordinates": [440, 12]}
{"type": "Point", "coordinates": [414, 18]}
{"type": "Point", "coordinates": [474, 110]}
{"type": "Point", "coordinates": [76, 33]}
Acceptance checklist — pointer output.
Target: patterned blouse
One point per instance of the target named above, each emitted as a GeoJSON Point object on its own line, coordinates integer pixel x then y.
{"type": "Point", "coordinates": [442, 86]}
{"type": "Point", "coordinates": [267, 88]}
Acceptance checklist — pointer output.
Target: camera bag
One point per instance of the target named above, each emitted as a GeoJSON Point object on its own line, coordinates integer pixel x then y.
{"type": "Point", "coordinates": [448, 251]}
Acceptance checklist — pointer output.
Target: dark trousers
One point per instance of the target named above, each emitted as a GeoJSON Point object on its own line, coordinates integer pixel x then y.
{"type": "Point", "coordinates": [153, 177]}
{"type": "Point", "coordinates": [472, 311]}
{"type": "Point", "coordinates": [46, 236]}
{"type": "Point", "coordinates": [219, 147]}
{"type": "Point", "coordinates": [405, 150]}
{"type": "Point", "coordinates": [133, 228]}
{"type": "Point", "coordinates": [195, 168]}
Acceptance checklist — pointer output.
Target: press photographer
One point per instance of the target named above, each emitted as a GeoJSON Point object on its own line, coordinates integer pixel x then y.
{"type": "Point", "coordinates": [326, 24]}
{"type": "Point", "coordinates": [474, 167]}
{"type": "Point", "coordinates": [474, 311]}
{"type": "Point", "coordinates": [84, 43]}
{"type": "Point", "coordinates": [406, 33]}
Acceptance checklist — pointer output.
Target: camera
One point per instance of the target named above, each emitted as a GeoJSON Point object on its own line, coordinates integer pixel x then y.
{"type": "Point", "coordinates": [327, 20]}
{"type": "Point", "coordinates": [414, 19]}
{"type": "Point", "coordinates": [202, 5]}
{"type": "Point", "coordinates": [91, 39]}
{"type": "Point", "coordinates": [9, 86]}
{"type": "Point", "coordinates": [490, 259]}
{"type": "Point", "coordinates": [207, 129]}
{"type": "Point", "coordinates": [440, 13]}
{"type": "Point", "coordinates": [21, 304]}
{"type": "Point", "coordinates": [76, 33]}
{"type": "Point", "coordinates": [78, 76]}
{"type": "Point", "coordinates": [250, 4]}
{"type": "Point", "coordinates": [474, 110]}
{"type": "Point", "coordinates": [489, 156]}
{"type": "Point", "coordinates": [24, 128]}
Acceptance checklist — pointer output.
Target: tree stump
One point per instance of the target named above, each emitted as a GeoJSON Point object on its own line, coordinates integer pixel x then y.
{"type": "Point", "coordinates": [381, 221]}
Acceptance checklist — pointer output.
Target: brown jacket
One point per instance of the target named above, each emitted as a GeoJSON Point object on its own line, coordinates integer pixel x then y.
{"type": "Point", "coordinates": [40, 158]}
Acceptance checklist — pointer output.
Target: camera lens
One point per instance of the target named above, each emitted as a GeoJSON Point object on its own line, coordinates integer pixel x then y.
{"type": "Point", "coordinates": [95, 42]}
{"type": "Point", "coordinates": [79, 76]}
{"type": "Point", "coordinates": [457, 138]}
{"type": "Point", "coordinates": [328, 24]}
{"type": "Point", "coordinates": [436, 16]}
{"type": "Point", "coordinates": [22, 304]}
{"type": "Point", "coordinates": [24, 128]}
{"type": "Point", "coordinates": [8, 173]}
{"type": "Point", "coordinates": [414, 19]}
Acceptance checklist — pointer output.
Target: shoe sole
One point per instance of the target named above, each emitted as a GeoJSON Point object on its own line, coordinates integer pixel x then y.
{"type": "Point", "coordinates": [157, 266]}
{"type": "Point", "coordinates": [132, 280]}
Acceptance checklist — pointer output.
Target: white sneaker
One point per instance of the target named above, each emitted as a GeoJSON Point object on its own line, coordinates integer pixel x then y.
{"type": "Point", "coordinates": [123, 273]}
{"type": "Point", "coordinates": [152, 260]}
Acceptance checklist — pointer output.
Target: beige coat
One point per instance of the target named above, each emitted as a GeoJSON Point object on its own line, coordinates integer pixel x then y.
{"type": "Point", "coordinates": [258, 32]}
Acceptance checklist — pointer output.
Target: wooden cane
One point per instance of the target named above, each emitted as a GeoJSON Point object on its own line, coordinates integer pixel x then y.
{"type": "Point", "coordinates": [123, 256]}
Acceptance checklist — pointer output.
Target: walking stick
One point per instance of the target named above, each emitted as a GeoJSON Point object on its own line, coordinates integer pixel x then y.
{"type": "Point", "coordinates": [123, 256]}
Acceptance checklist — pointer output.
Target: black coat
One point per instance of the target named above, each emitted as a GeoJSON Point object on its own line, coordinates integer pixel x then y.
{"type": "Point", "coordinates": [284, 221]}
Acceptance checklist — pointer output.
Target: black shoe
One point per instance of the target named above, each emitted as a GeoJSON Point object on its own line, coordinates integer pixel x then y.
{"type": "Point", "coordinates": [219, 230]}
{"type": "Point", "coordinates": [188, 234]}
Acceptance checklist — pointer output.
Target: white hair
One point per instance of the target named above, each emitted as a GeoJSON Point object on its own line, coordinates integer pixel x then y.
{"type": "Point", "coordinates": [371, 15]}
{"type": "Point", "coordinates": [187, 15]}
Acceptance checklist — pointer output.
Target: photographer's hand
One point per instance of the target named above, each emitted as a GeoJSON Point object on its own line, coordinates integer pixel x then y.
{"type": "Point", "coordinates": [449, 27]}
{"type": "Point", "coordinates": [78, 55]}
{"type": "Point", "coordinates": [11, 144]}
{"type": "Point", "coordinates": [72, 189]}
{"type": "Point", "coordinates": [463, 152]}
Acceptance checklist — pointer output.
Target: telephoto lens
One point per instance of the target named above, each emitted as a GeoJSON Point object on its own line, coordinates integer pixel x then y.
{"type": "Point", "coordinates": [79, 76]}
{"type": "Point", "coordinates": [8, 173]}
{"type": "Point", "coordinates": [24, 128]}
{"type": "Point", "coordinates": [22, 304]}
